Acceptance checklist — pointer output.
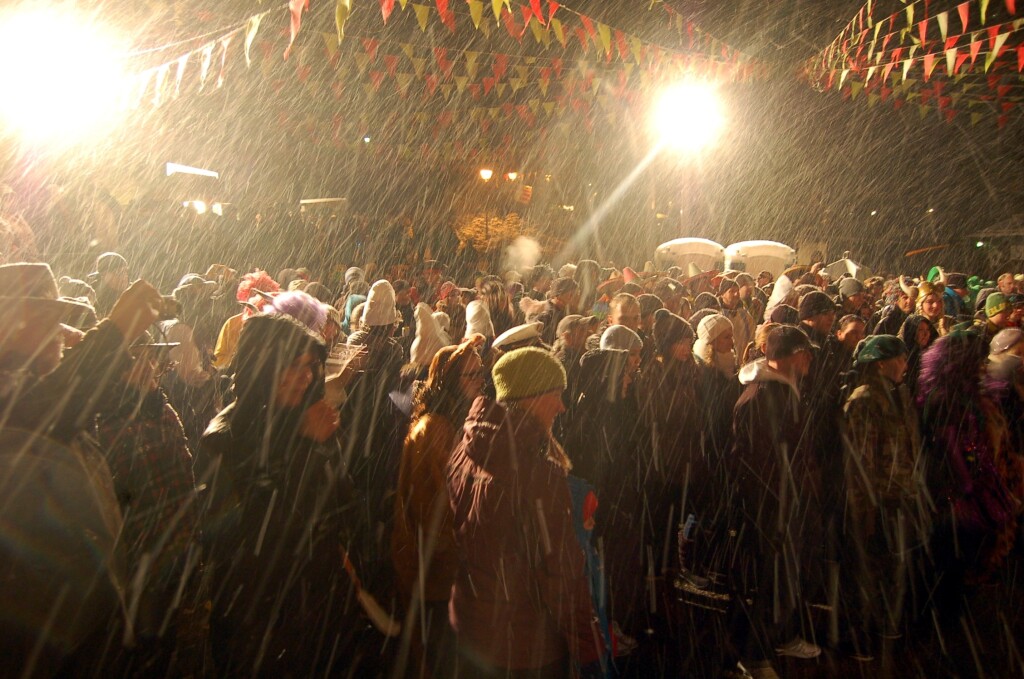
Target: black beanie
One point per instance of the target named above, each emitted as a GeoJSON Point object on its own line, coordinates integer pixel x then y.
{"type": "Point", "coordinates": [670, 329]}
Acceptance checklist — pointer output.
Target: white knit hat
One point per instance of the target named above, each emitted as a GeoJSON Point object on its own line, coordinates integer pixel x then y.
{"type": "Point", "coordinates": [380, 305]}
{"type": "Point", "coordinates": [620, 337]}
{"type": "Point", "coordinates": [354, 273]}
{"type": "Point", "coordinates": [478, 320]}
{"type": "Point", "coordinates": [443, 320]}
{"type": "Point", "coordinates": [712, 327]}
{"type": "Point", "coordinates": [430, 338]}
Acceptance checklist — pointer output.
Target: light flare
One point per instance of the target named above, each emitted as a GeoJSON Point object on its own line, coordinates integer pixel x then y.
{"type": "Point", "coordinates": [688, 117]}
{"type": "Point", "coordinates": [63, 79]}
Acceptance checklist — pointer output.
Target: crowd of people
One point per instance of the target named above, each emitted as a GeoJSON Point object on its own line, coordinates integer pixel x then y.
{"type": "Point", "coordinates": [591, 472]}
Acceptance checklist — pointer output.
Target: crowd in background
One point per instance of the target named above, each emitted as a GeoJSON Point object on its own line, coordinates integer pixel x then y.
{"type": "Point", "coordinates": [588, 472]}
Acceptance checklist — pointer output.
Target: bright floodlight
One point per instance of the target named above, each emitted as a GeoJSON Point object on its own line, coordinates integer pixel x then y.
{"type": "Point", "coordinates": [688, 116]}
{"type": "Point", "coordinates": [486, 174]}
{"type": "Point", "coordinates": [62, 76]}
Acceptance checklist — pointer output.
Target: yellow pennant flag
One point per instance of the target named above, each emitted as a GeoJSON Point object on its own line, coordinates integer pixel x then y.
{"type": "Point", "coordinates": [855, 88]}
{"type": "Point", "coordinates": [368, 89]}
{"type": "Point", "coordinates": [842, 77]}
{"type": "Point", "coordinates": [942, 18]}
{"type": "Point", "coordinates": [872, 100]}
{"type": "Point", "coordinates": [419, 65]}
{"type": "Point", "coordinates": [523, 72]}
{"type": "Point", "coordinates": [330, 44]}
{"type": "Point", "coordinates": [543, 85]}
{"type": "Point", "coordinates": [906, 67]}
{"type": "Point", "coordinates": [471, 64]}
{"type": "Point", "coordinates": [402, 80]}
{"type": "Point", "coordinates": [996, 48]}
{"type": "Point", "coordinates": [950, 60]}
{"type": "Point", "coordinates": [983, 8]}
{"type": "Point", "coordinates": [408, 49]}
{"type": "Point", "coordinates": [871, 72]}
{"type": "Point", "coordinates": [549, 107]}
{"type": "Point", "coordinates": [534, 105]}
{"type": "Point", "coordinates": [605, 34]}
{"type": "Point", "coordinates": [460, 83]}
{"type": "Point", "coordinates": [446, 90]}
{"type": "Point", "coordinates": [493, 112]}
{"type": "Point", "coordinates": [538, 32]}
{"type": "Point", "coordinates": [500, 87]}
{"type": "Point", "coordinates": [516, 83]}
{"type": "Point", "coordinates": [422, 14]}
{"type": "Point", "coordinates": [341, 12]}
{"type": "Point", "coordinates": [975, 118]}
{"type": "Point", "coordinates": [403, 3]}
{"type": "Point", "coordinates": [922, 111]}
{"type": "Point", "coordinates": [362, 61]}
{"type": "Point", "coordinates": [476, 12]}
{"type": "Point", "coordinates": [637, 47]}
{"type": "Point", "coordinates": [496, 5]}
{"type": "Point", "coordinates": [556, 26]}
{"type": "Point", "coordinates": [910, 17]}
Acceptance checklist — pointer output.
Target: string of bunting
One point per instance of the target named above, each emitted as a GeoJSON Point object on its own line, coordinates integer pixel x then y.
{"type": "Point", "coordinates": [966, 58]}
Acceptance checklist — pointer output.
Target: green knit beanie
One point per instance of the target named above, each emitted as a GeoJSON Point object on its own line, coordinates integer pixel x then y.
{"type": "Point", "coordinates": [525, 373]}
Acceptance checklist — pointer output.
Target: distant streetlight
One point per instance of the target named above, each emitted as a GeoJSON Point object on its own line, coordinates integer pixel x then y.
{"type": "Point", "coordinates": [512, 176]}
{"type": "Point", "coordinates": [874, 212]}
{"type": "Point", "coordinates": [688, 117]}
{"type": "Point", "coordinates": [366, 139]}
{"type": "Point", "coordinates": [486, 174]}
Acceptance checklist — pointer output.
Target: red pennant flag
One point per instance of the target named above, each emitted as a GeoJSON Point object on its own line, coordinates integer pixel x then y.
{"type": "Point", "coordinates": [376, 78]}
{"type": "Point", "coordinates": [537, 11]}
{"type": "Point", "coordinates": [510, 25]}
{"type": "Point", "coordinates": [488, 84]}
{"type": "Point", "coordinates": [922, 30]}
{"type": "Point", "coordinates": [295, 8]}
{"type": "Point", "coordinates": [370, 46]}
{"type": "Point", "coordinates": [896, 54]}
{"type": "Point", "coordinates": [1003, 90]}
{"type": "Point", "coordinates": [442, 7]}
{"type": "Point", "coordinates": [386, 8]}
{"type": "Point", "coordinates": [1001, 121]}
{"type": "Point", "coordinates": [950, 114]}
{"type": "Point", "coordinates": [929, 64]}
{"type": "Point", "coordinates": [506, 110]}
{"type": "Point", "coordinates": [1020, 57]}
{"type": "Point", "coordinates": [431, 80]}
{"type": "Point", "coordinates": [584, 40]}
{"type": "Point", "coordinates": [620, 42]}
{"type": "Point", "coordinates": [545, 73]}
{"type": "Point", "coordinates": [886, 93]}
{"type": "Point", "coordinates": [588, 25]}
{"type": "Point", "coordinates": [527, 12]}
{"type": "Point", "coordinates": [963, 8]}
{"type": "Point", "coordinates": [1011, 6]}
{"type": "Point", "coordinates": [961, 57]}
{"type": "Point", "coordinates": [441, 57]}
{"type": "Point", "coordinates": [391, 63]}
{"type": "Point", "coordinates": [557, 65]}
{"type": "Point", "coordinates": [993, 33]}
{"type": "Point", "coordinates": [552, 8]}
{"type": "Point", "coordinates": [500, 66]}
{"type": "Point", "coordinates": [975, 49]}
{"type": "Point", "coordinates": [474, 89]}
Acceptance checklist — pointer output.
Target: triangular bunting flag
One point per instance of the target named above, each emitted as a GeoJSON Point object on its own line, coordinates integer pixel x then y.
{"type": "Point", "coordinates": [963, 9]}
{"type": "Point", "coordinates": [403, 80]}
{"type": "Point", "coordinates": [252, 26]}
{"type": "Point", "coordinates": [516, 83]}
{"type": "Point", "coordinates": [500, 89]}
{"type": "Point", "coordinates": [543, 85]}
{"type": "Point", "coordinates": [906, 67]}
{"type": "Point", "coordinates": [951, 61]}
{"type": "Point", "coordinates": [536, 29]}
{"type": "Point", "coordinates": [983, 10]}
{"type": "Point", "coordinates": [991, 56]}
{"type": "Point", "coordinates": [975, 47]}
{"type": "Point", "coordinates": [422, 15]}
{"type": "Point", "coordinates": [418, 65]}
{"type": "Point", "coordinates": [943, 20]}
{"type": "Point", "coordinates": [556, 26]}
{"type": "Point", "coordinates": [362, 61]}
{"type": "Point", "coordinates": [605, 35]}
{"type": "Point", "coordinates": [929, 64]}
{"type": "Point", "coordinates": [408, 49]}
{"type": "Point", "coordinates": [460, 83]}
{"type": "Point", "coordinates": [446, 90]}
{"type": "Point", "coordinates": [471, 64]}
{"type": "Point", "coordinates": [476, 12]}
{"type": "Point", "coordinates": [549, 107]}
{"type": "Point", "coordinates": [386, 8]}
{"type": "Point", "coordinates": [637, 48]}
{"type": "Point", "coordinates": [496, 5]}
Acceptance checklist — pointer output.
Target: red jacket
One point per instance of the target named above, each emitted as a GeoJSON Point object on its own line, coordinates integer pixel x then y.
{"type": "Point", "coordinates": [520, 598]}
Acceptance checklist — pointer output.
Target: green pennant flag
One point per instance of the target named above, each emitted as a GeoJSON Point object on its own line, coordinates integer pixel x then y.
{"type": "Point", "coordinates": [983, 8]}
{"type": "Point", "coordinates": [910, 17]}
{"type": "Point", "coordinates": [872, 100]}
{"type": "Point", "coordinates": [943, 20]}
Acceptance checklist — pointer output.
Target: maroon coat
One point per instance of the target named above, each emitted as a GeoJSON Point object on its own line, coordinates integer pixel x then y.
{"type": "Point", "coordinates": [520, 598]}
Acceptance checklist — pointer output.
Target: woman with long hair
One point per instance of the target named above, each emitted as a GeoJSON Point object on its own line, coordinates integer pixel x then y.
{"type": "Point", "coordinates": [917, 333]}
{"type": "Point", "coordinates": [273, 529]}
{"type": "Point", "coordinates": [423, 543]}
{"type": "Point", "coordinates": [496, 299]}
{"type": "Point", "coordinates": [930, 305]}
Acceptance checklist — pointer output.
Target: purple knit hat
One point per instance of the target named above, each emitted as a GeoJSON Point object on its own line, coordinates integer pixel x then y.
{"type": "Point", "coordinates": [301, 306]}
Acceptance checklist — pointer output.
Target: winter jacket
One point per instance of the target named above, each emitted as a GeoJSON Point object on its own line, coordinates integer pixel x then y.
{"type": "Point", "coordinates": [551, 317]}
{"type": "Point", "coordinates": [520, 598]}
{"type": "Point", "coordinates": [50, 466]}
{"type": "Point", "coordinates": [742, 327]}
{"type": "Point", "coordinates": [423, 515]}
{"type": "Point", "coordinates": [883, 445]}
{"type": "Point", "coordinates": [274, 540]}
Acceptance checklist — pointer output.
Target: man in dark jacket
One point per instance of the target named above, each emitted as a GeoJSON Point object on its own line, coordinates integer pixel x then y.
{"type": "Point", "coordinates": [774, 482]}
{"type": "Point", "coordinates": [63, 609]}
{"type": "Point", "coordinates": [520, 602]}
